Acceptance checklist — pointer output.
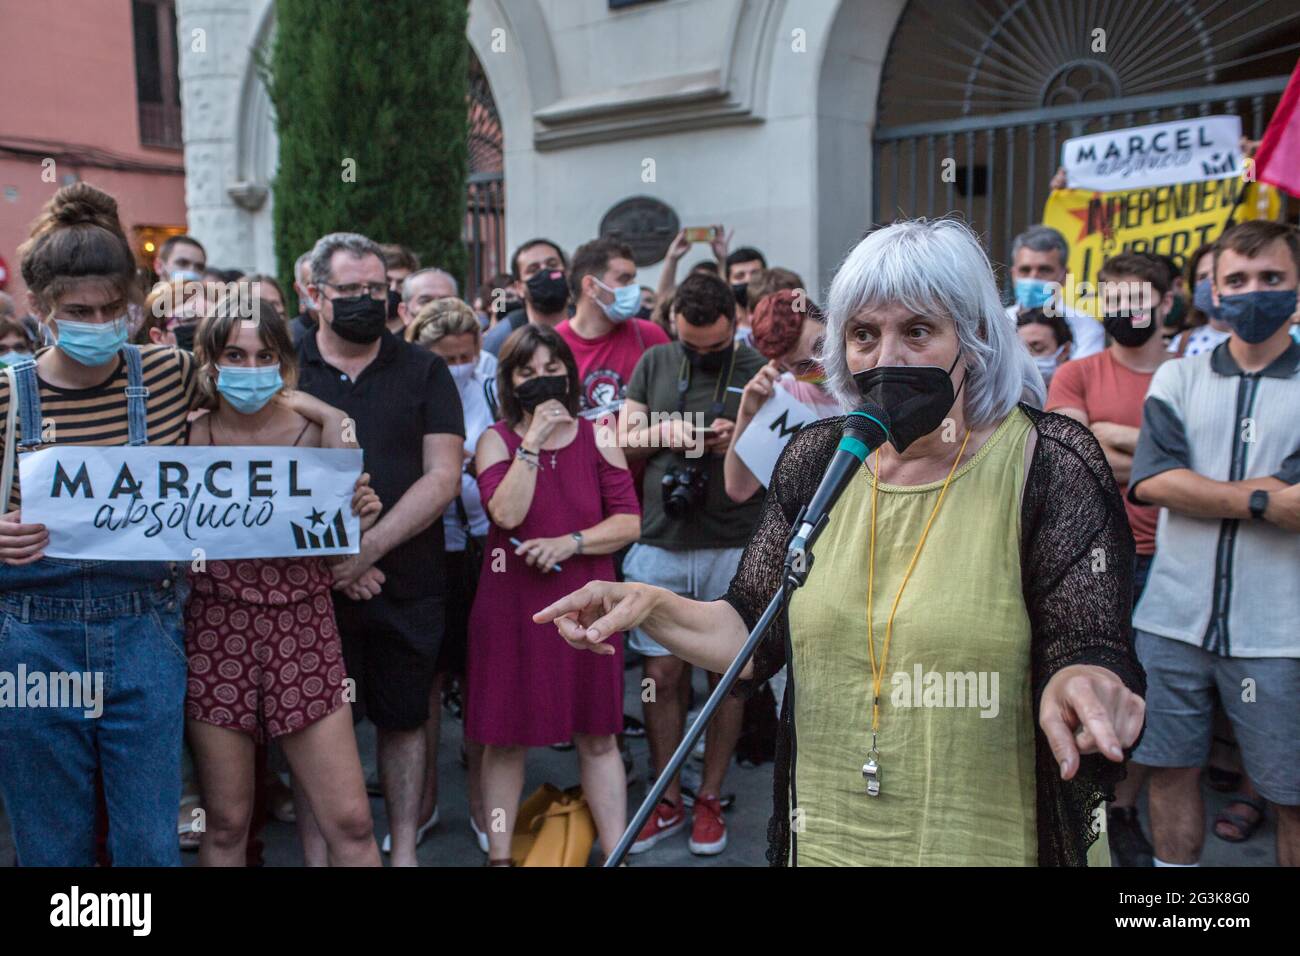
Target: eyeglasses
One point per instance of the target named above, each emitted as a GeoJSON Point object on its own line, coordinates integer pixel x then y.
{"type": "Point", "coordinates": [376, 290]}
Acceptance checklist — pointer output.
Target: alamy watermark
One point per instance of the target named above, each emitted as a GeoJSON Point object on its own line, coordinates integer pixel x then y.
{"type": "Point", "coordinates": [683, 431]}
{"type": "Point", "coordinates": [922, 688]}
{"type": "Point", "coordinates": [62, 689]}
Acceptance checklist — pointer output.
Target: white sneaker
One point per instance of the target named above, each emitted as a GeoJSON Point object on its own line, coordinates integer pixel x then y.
{"type": "Point", "coordinates": [479, 835]}
{"type": "Point", "coordinates": [425, 829]}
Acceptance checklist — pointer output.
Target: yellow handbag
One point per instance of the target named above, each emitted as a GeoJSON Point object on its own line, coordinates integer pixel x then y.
{"type": "Point", "coordinates": [554, 828]}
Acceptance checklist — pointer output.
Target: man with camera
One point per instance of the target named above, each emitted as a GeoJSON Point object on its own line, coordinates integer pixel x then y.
{"type": "Point", "coordinates": [681, 408]}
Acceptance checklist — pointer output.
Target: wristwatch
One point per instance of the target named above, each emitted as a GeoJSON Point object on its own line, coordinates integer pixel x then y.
{"type": "Point", "coordinates": [577, 539]}
{"type": "Point", "coordinates": [1258, 503]}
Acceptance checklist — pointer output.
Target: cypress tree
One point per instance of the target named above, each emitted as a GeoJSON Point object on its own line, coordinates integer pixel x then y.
{"type": "Point", "coordinates": [370, 104]}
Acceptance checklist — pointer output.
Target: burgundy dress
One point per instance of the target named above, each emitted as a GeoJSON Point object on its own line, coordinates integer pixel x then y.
{"type": "Point", "coordinates": [527, 687]}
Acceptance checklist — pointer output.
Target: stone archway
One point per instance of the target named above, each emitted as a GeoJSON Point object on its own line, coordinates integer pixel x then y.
{"type": "Point", "coordinates": [857, 44]}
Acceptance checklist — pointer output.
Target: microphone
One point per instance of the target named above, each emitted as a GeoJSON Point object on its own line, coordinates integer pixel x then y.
{"type": "Point", "coordinates": [865, 429]}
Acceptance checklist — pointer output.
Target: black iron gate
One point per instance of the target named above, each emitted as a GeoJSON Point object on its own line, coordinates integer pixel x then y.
{"type": "Point", "coordinates": [998, 168]}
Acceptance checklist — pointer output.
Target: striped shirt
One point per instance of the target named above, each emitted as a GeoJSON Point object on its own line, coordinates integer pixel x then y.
{"type": "Point", "coordinates": [97, 416]}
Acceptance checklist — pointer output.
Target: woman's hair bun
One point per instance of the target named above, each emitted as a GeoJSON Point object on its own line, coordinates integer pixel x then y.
{"type": "Point", "coordinates": [82, 202]}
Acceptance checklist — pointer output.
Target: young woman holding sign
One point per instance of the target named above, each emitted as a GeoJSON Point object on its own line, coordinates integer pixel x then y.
{"type": "Point", "coordinates": [119, 621]}
{"type": "Point", "coordinates": [264, 651]}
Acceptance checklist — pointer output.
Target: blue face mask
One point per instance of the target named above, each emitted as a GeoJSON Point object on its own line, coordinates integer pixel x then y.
{"type": "Point", "coordinates": [1255, 316]}
{"type": "Point", "coordinates": [1203, 299]}
{"type": "Point", "coordinates": [91, 343]}
{"type": "Point", "coordinates": [249, 389]}
{"type": "Point", "coordinates": [12, 358]}
{"type": "Point", "coordinates": [627, 302]}
{"type": "Point", "coordinates": [186, 275]}
{"type": "Point", "coordinates": [1034, 293]}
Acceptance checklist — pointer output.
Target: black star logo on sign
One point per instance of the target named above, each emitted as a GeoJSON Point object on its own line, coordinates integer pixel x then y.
{"type": "Point", "coordinates": [316, 517]}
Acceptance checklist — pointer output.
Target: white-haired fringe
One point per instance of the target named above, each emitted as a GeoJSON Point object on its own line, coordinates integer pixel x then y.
{"type": "Point", "coordinates": [935, 268]}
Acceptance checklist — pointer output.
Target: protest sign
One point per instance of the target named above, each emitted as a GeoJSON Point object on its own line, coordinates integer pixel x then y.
{"type": "Point", "coordinates": [173, 503]}
{"type": "Point", "coordinates": [1161, 154]}
{"type": "Point", "coordinates": [760, 444]}
{"type": "Point", "coordinates": [1165, 220]}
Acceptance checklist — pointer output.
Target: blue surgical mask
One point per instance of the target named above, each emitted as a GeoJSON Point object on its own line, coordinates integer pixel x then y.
{"type": "Point", "coordinates": [91, 343]}
{"type": "Point", "coordinates": [1203, 299]}
{"type": "Point", "coordinates": [248, 389]}
{"type": "Point", "coordinates": [12, 358]}
{"type": "Point", "coordinates": [1034, 293]}
{"type": "Point", "coordinates": [627, 301]}
{"type": "Point", "coordinates": [186, 275]}
{"type": "Point", "coordinates": [1255, 316]}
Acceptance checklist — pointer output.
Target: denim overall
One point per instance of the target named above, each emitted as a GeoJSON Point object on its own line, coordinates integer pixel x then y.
{"type": "Point", "coordinates": [117, 627]}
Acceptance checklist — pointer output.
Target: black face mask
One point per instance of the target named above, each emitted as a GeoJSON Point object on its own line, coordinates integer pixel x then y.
{"type": "Point", "coordinates": [540, 388]}
{"type": "Point", "coordinates": [708, 361]}
{"type": "Point", "coordinates": [394, 300]}
{"type": "Point", "coordinates": [917, 397]}
{"type": "Point", "coordinates": [643, 313]}
{"type": "Point", "coordinates": [741, 291]}
{"type": "Point", "coordinates": [185, 336]}
{"type": "Point", "coordinates": [359, 318]}
{"type": "Point", "coordinates": [548, 290]}
{"type": "Point", "coordinates": [1121, 329]}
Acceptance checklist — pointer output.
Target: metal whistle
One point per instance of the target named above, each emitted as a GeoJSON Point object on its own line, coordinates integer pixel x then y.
{"type": "Point", "coordinates": [871, 773]}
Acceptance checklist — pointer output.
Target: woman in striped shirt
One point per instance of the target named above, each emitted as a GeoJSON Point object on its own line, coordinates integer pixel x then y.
{"type": "Point", "coordinates": [114, 626]}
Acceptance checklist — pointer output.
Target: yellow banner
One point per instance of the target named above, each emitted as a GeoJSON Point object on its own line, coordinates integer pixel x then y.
{"type": "Point", "coordinates": [1166, 220]}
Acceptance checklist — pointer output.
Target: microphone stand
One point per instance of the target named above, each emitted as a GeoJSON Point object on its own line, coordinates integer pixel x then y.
{"type": "Point", "coordinates": [798, 563]}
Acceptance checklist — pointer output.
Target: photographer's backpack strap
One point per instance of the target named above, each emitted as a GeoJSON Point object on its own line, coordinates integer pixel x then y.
{"type": "Point", "coordinates": [136, 394]}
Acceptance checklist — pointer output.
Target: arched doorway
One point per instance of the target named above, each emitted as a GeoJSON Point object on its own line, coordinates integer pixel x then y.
{"type": "Point", "coordinates": [989, 89]}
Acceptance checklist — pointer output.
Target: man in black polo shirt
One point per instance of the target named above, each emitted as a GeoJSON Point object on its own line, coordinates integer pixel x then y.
{"type": "Point", "coordinates": [389, 599]}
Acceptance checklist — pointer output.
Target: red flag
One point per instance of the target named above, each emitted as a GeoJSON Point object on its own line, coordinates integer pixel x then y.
{"type": "Point", "coordinates": [1277, 161]}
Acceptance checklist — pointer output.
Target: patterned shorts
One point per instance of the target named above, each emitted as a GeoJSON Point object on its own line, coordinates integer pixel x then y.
{"type": "Point", "coordinates": [266, 669]}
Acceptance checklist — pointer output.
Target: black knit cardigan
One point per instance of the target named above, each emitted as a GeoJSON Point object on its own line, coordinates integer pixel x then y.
{"type": "Point", "coordinates": [1076, 558]}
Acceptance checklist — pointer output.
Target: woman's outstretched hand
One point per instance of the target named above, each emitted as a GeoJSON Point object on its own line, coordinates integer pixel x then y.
{"type": "Point", "coordinates": [1086, 710]}
{"type": "Point", "coordinates": [588, 616]}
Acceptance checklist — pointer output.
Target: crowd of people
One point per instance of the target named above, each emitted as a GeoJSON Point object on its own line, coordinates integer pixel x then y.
{"type": "Point", "coordinates": [564, 425]}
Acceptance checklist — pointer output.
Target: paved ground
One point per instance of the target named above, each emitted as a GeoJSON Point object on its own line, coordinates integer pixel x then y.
{"type": "Point", "coordinates": [452, 843]}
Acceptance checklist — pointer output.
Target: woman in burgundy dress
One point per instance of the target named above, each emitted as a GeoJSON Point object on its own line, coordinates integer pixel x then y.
{"type": "Point", "coordinates": [567, 497]}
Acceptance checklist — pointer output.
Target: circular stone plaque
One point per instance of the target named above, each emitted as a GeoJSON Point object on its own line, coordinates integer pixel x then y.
{"type": "Point", "coordinates": [645, 224]}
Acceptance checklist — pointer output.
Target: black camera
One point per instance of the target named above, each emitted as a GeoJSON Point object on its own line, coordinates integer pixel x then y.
{"type": "Point", "coordinates": [683, 488]}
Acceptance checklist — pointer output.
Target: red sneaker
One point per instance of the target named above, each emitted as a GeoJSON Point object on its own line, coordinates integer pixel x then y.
{"type": "Point", "coordinates": [666, 820]}
{"type": "Point", "coordinates": [709, 832]}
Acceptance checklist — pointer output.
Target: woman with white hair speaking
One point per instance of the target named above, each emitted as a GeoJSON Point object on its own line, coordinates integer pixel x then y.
{"type": "Point", "coordinates": [962, 683]}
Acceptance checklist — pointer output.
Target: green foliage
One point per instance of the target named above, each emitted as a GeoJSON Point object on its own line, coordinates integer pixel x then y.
{"type": "Point", "coordinates": [381, 83]}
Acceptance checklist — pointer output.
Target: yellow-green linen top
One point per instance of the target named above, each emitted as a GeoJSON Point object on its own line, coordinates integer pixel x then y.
{"type": "Point", "coordinates": [956, 738]}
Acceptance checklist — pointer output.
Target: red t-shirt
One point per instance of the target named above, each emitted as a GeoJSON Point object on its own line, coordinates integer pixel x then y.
{"type": "Point", "coordinates": [1107, 391]}
{"type": "Point", "coordinates": [605, 363]}
{"type": "Point", "coordinates": [605, 366]}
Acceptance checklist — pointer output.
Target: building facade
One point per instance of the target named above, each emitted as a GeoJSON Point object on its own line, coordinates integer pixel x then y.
{"type": "Point", "coordinates": [90, 93]}
{"type": "Point", "coordinates": [795, 123]}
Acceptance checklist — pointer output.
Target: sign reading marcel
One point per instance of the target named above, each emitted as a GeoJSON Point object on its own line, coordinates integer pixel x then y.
{"type": "Point", "coordinates": [1162, 154]}
{"type": "Point", "coordinates": [162, 503]}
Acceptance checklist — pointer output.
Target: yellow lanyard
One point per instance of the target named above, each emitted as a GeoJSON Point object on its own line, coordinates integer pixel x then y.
{"type": "Point", "coordinates": [878, 673]}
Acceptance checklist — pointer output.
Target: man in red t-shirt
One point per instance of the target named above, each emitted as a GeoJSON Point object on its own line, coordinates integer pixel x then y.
{"type": "Point", "coordinates": [606, 337]}
{"type": "Point", "coordinates": [1106, 391]}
